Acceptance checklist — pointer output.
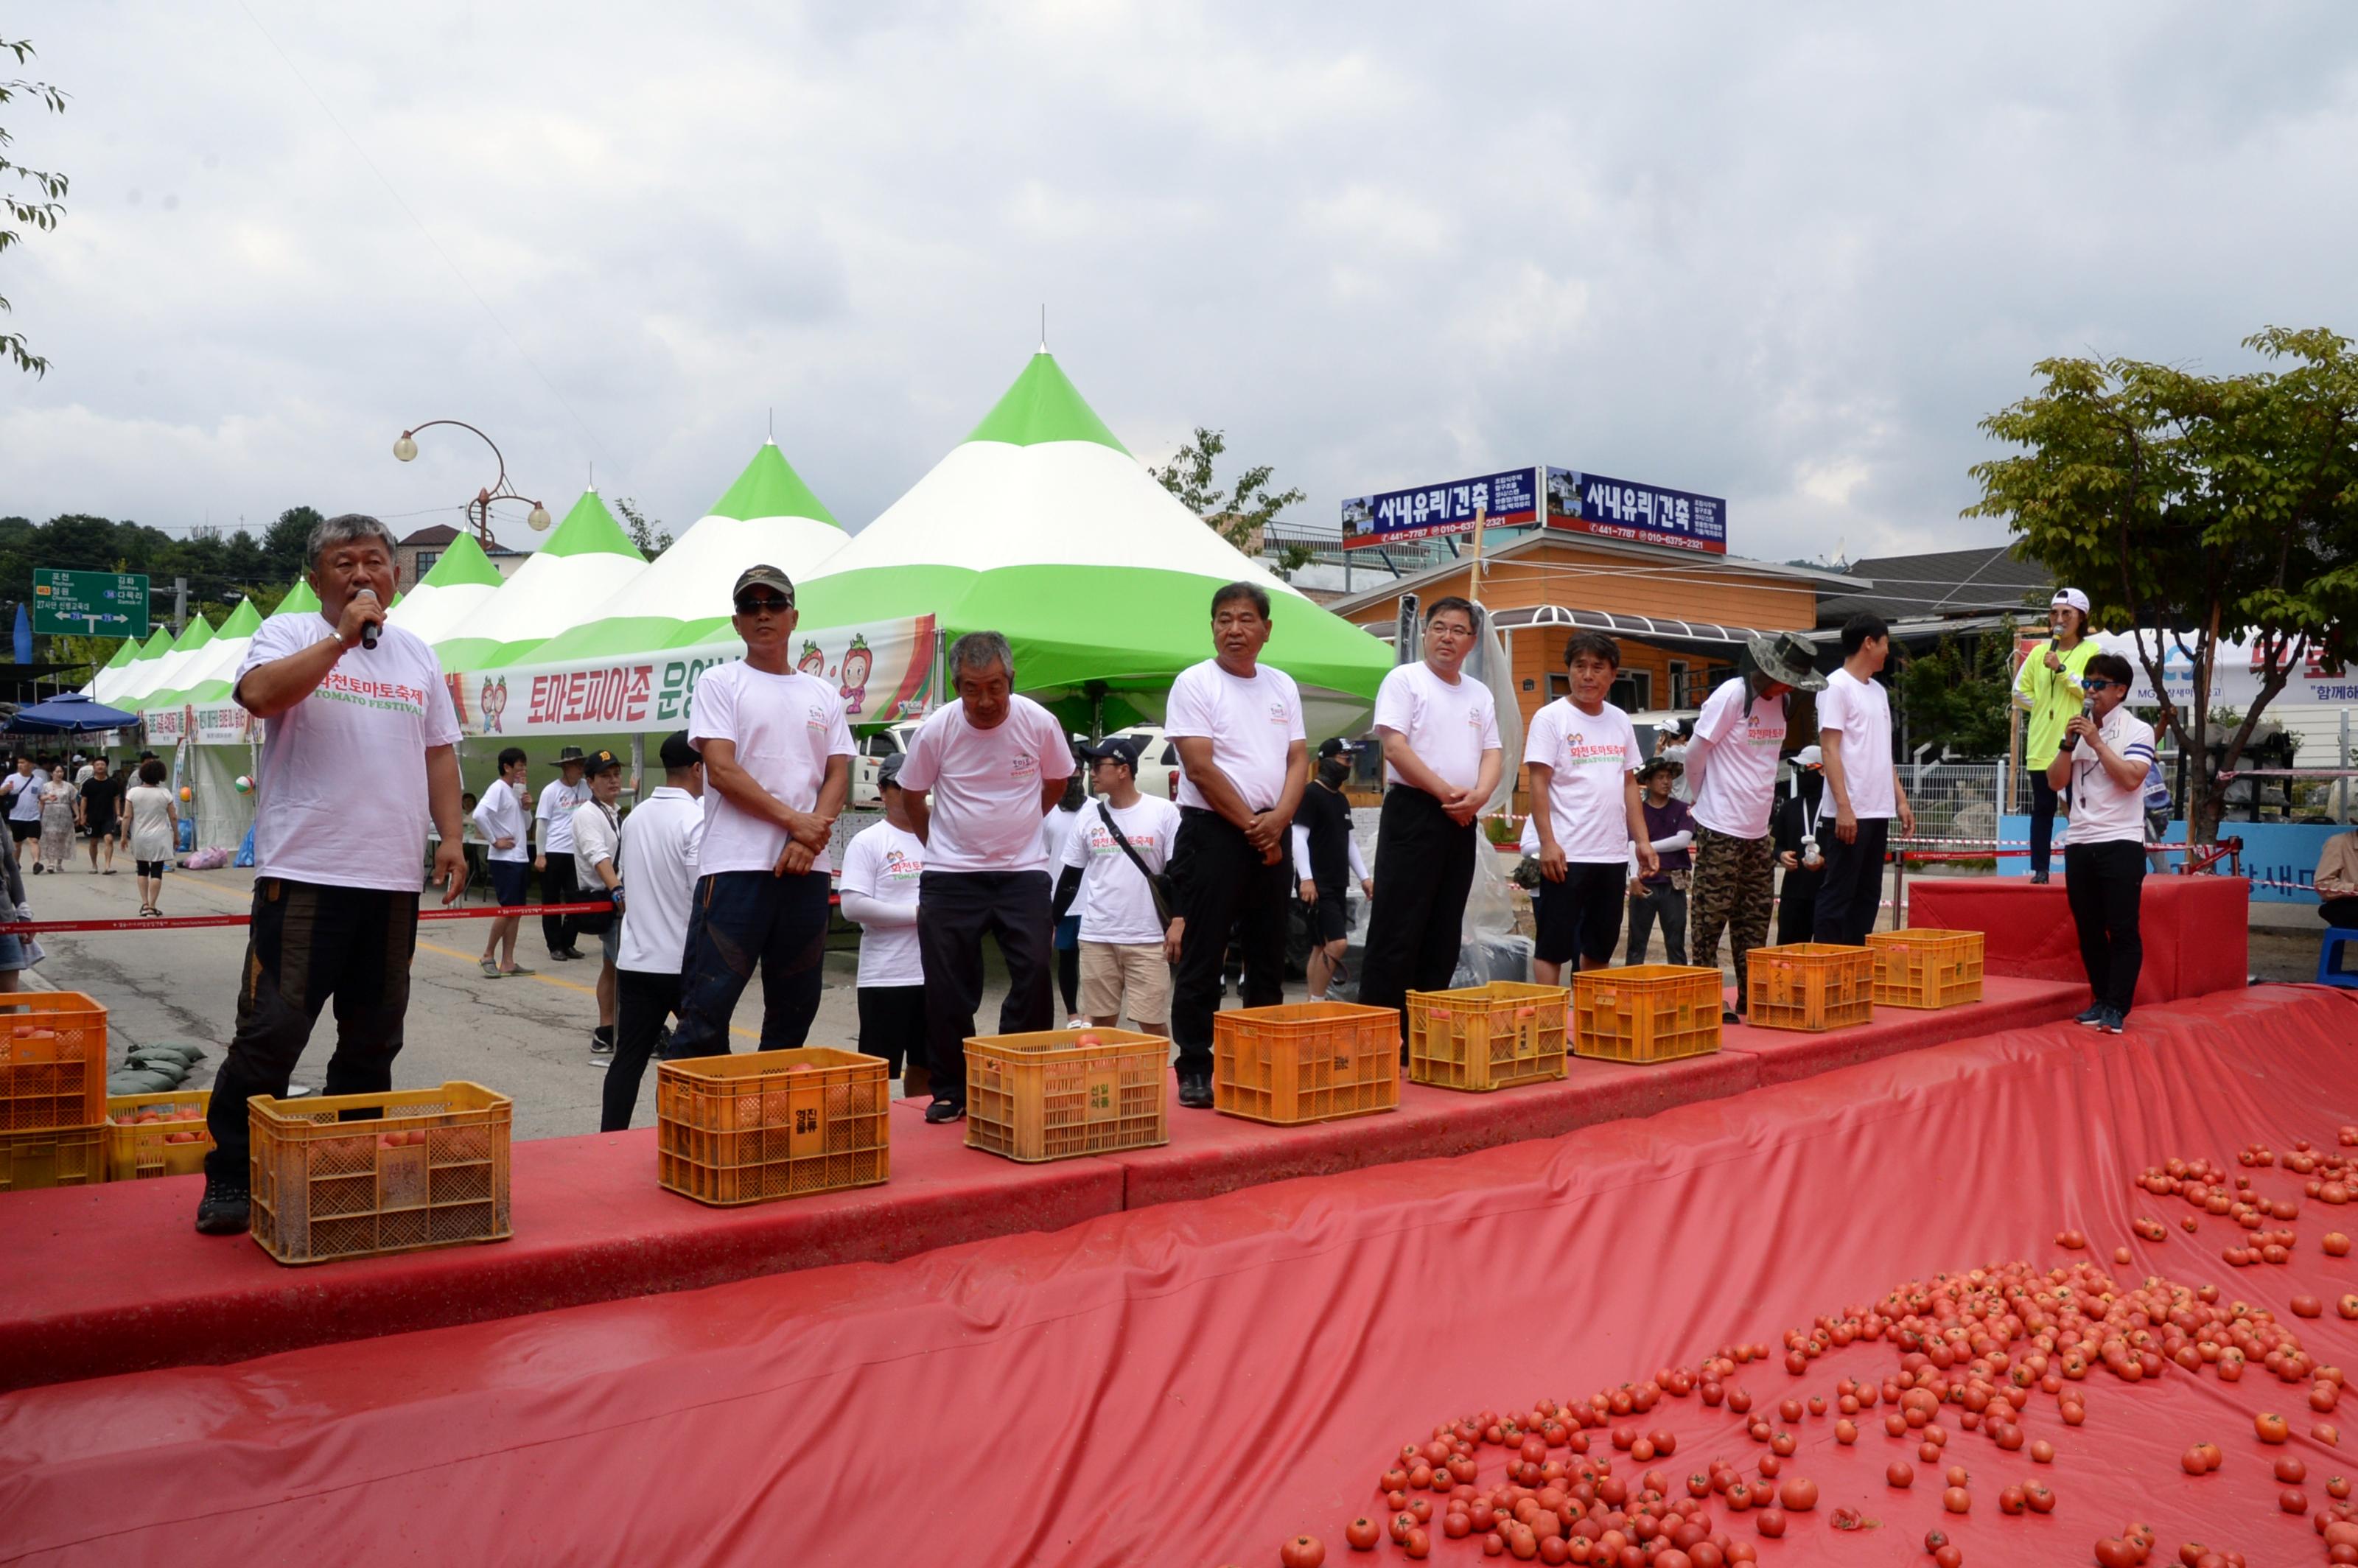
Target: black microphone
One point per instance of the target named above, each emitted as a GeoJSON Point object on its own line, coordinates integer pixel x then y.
{"type": "Point", "coordinates": [368, 629]}
{"type": "Point", "coordinates": [2087, 711]}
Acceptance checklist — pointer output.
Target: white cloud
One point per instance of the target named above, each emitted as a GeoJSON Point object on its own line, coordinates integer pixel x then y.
{"type": "Point", "coordinates": [1785, 256]}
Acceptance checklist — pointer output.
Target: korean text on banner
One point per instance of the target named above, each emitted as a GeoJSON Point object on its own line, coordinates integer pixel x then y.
{"type": "Point", "coordinates": [207, 724]}
{"type": "Point", "coordinates": [883, 670]}
{"type": "Point", "coordinates": [1648, 513]}
{"type": "Point", "coordinates": [1428, 511]}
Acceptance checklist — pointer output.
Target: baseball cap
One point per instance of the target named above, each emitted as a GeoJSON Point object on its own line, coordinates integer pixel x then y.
{"type": "Point", "coordinates": [1808, 757]}
{"type": "Point", "coordinates": [600, 761]}
{"type": "Point", "coordinates": [678, 753]}
{"type": "Point", "coordinates": [763, 577]}
{"type": "Point", "coordinates": [1336, 746]}
{"type": "Point", "coordinates": [2070, 597]}
{"type": "Point", "coordinates": [1114, 749]}
{"type": "Point", "coordinates": [888, 771]}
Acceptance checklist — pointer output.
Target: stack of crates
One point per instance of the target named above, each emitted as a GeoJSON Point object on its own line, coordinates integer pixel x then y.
{"type": "Point", "coordinates": [52, 1090]}
{"type": "Point", "coordinates": [1811, 986]}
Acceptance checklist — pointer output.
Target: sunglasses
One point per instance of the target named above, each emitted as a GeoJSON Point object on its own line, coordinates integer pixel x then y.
{"type": "Point", "coordinates": [2097, 685]}
{"type": "Point", "coordinates": [758, 604]}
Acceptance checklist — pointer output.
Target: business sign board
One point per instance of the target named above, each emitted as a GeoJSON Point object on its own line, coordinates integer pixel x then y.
{"type": "Point", "coordinates": [1507, 500]}
{"type": "Point", "coordinates": [89, 604]}
{"type": "Point", "coordinates": [1644, 514]}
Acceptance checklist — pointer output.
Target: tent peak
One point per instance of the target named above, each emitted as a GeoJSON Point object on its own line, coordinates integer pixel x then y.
{"type": "Point", "coordinates": [1044, 406]}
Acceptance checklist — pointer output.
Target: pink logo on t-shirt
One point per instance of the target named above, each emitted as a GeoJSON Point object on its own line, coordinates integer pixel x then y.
{"type": "Point", "coordinates": [1278, 713]}
{"type": "Point", "coordinates": [1025, 766]}
{"type": "Point", "coordinates": [820, 719]}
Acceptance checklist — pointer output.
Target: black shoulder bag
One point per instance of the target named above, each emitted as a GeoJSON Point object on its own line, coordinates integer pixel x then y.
{"type": "Point", "coordinates": [1156, 886]}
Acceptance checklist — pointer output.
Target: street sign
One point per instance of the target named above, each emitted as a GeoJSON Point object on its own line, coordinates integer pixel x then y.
{"type": "Point", "coordinates": [89, 604]}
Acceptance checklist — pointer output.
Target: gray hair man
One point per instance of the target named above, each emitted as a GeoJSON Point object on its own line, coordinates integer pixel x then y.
{"type": "Point", "coordinates": [979, 775]}
{"type": "Point", "coordinates": [358, 754]}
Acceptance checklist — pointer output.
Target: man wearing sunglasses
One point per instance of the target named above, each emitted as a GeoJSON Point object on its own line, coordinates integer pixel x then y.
{"type": "Point", "coordinates": [777, 765]}
{"type": "Point", "coordinates": [2106, 752]}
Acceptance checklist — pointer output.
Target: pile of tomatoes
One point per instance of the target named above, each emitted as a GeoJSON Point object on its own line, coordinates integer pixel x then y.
{"type": "Point", "coordinates": [175, 1113]}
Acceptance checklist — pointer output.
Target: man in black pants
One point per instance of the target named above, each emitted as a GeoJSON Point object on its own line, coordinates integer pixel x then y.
{"type": "Point", "coordinates": [359, 752]}
{"type": "Point", "coordinates": [2103, 762]}
{"type": "Point", "coordinates": [1440, 733]}
{"type": "Point", "coordinates": [1796, 839]}
{"type": "Point", "coordinates": [1326, 862]}
{"type": "Point", "coordinates": [559, 878]}
{"type": "Point", "coordinates": [979, 775]}
{"type": "Point", "coordinates": [1863, 788]}
{"type": "Point", "coordinates": [1244, 760]}
{"type": "Point", "coordinates": [663, 841]}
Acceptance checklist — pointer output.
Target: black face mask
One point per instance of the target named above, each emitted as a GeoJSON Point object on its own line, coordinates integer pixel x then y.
{"type": "Point", "coordinates": [1333, 771]}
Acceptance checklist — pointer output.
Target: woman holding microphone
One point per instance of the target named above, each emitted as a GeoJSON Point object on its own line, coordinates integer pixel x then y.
{"type": "Point", "coordinates": [2048, 692]}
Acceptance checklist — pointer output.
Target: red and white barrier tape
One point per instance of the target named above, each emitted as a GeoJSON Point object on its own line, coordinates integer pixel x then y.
{"type": "Point", "coordinates": [197, 922]}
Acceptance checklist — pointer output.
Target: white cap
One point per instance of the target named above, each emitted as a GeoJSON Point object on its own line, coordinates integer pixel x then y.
{"type": "Point", "coordinates": [2071, 597]}
{"type": "Point", "coordinates": [1808, 757]}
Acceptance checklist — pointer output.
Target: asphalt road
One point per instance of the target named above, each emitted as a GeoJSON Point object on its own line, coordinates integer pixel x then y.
{"type": "Point", "coordinates": [527, 1037]}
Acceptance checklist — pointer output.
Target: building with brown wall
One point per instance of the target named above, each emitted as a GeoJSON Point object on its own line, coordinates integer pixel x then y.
{"type": "Point", "coordinates": [416, 554]}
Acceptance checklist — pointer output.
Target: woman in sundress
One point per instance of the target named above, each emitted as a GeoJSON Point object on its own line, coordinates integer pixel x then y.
{"type": "Point", "coordinates": [59, 797]}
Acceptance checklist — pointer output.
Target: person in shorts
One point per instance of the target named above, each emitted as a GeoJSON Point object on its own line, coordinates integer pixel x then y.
{"type": "Point", "coordinates": [1326, 861]}
{"type": "Point", "coordinates": [1124, 967]}
{"type": "Point", "coordinates": [101, 802]}
{"type": "Point", "coordinates": [1582, 757]}
{"type": "Point", "coordinates": [22, 792]}
{"type": "Point", "coordinates": [500, 817]}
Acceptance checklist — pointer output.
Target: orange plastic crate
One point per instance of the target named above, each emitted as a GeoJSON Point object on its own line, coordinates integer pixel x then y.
{"type": "Point", "coordinates": [754, 1126]}
{"type": "Point", "coordinates": [409, 1168]}
{"type": "Point", "coordinates": [52, 1157]}
{"type": "Point", "coordinates": [1306, 1061]}
{"type": "Point", "coordinates": [1811, 985]}
{"type": "Point", "coordinates": [1045, 1095]}
{"type": "Point", "coordinates": [52, 1061]}
{"type": "Point", "coordinates": [1486, 1037]}
{"type": "Point", "coordinates": [1646, 1013]}
{"type": "Point", "coordinates": [174, 1144]}
{"type": "Point", "coordinates": [1924, 967]}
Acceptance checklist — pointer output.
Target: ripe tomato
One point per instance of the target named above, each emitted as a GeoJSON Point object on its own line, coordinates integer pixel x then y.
{"type": "Point", "coordinates": [1361, 1534]}
{"type": "Point", "coordinates": [1301, 1552]}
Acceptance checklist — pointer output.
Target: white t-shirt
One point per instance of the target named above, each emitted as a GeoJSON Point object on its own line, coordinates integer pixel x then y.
{"type": "Point", "coordinates": [661, 839]}
{"type": "Point", "coordinates": [24, 795]}
{"type": "Point", "coordinates": [1449, 727]}
{"type": "Point", "coordinates": [1251, 723]}
{"type": "Point", "coordinates": [1861, 711]}
{"type": "Point", "coordinates": [784, 728]}
{"type": "Point", "coordinates": [1116, 905]}
{"type": "Point", "coordinates": [1591, 756]}
{"type": "Point", "coordinates": [596, 835]}
{"type": "Point", "coordinates": [555, 807]}
{"type": "Point", "coordinates": [986, 785]}
{"type": "Point", "coordinates": [340, 798]}
{"type": "Point", "coordinates": [1736, 755]}
{"type": "Point", "coordinates": [2102, 811]}
{"type": "Point", "coordinates": [499, 814]}
{"type": "Point", "coordinates": [1056, 833]}
{"type": "Point", "coordinates": [883, 863]}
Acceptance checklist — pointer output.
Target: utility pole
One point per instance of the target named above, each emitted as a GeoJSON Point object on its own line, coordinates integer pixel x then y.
{"type": "Point", "coordinates": [180, 605]}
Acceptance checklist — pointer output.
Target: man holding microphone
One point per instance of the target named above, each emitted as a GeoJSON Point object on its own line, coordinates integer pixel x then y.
{"type": "Point", "coordinates": [359, 753]}
{"type": "Point", "coordinates": [2102, 760]}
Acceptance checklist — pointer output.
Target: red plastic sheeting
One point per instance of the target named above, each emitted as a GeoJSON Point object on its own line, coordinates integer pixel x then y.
{"type": "Point", "coordinates": [1188, 1384]}
{"type": "Point", "coordinates": [111, 1279]}
{"type": "Point", "coordinates": [2196, 929]}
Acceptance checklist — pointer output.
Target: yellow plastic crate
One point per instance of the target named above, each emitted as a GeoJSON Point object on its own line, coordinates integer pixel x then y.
{"type": "Point", "coordinates": [1045, 1095]}
{"type": "Point", "coordinates": [411, 1169]}
{"type": "Point", "coordinates": [1926, 968]}
{"type": "Point", "coordinates": [52, 1157]}
{"type": "Point", "coordinates": [1811, 986]}
{"type": "Point", "coordinates": [1645, 1012]}
{"type": "Point", "coordinates": [754, 1126]}
{"type": "Point", "coordinates": [1486, 1037]}
{"type": "Point", "coordinates": [173, 1143]}
{"type": "Point", "coordinates": [1306, 1061]}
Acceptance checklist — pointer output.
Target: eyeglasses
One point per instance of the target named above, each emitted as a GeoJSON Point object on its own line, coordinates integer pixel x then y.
{"type": "Point", "coordinates": [2097, 685]}
{"type": "Point", "coordinates": [763, 604]}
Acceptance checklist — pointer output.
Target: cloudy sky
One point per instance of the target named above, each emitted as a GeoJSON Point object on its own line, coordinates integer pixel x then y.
{"type": "Point", "coordinates": [1786, 254]}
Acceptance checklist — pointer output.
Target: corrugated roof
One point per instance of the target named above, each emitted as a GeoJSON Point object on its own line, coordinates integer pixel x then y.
{"type": "Point", "coordinates": [1944, 583]}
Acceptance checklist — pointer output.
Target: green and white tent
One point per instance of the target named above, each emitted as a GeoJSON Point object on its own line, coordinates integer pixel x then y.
{"type": "Point", "coordinates": [586, 561]}
{"type": "Point", "coordinates": [165, 674]}
{"type": "Point", "coordinates": [769, 517]}
{"type": "Point", "coordinates": [139, 675]}
{"type": "Point", "coordinates": [206, 678]}
{"type": "Point", "coordinates": [1042, 527]}
{"type": "Point", "coordinates": [457, 586]}
{"type": "Point", "coordinates": [110, 674]}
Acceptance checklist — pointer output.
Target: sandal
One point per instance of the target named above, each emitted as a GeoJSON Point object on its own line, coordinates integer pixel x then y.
{"type": "Point", "coordinates": [490, 971]}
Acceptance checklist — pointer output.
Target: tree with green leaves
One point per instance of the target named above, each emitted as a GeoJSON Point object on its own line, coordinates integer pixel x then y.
{"type": "Point", "coordinates": [40, 210]}
{"type": "Point", "coordinates": [650, 536]}
{"type": "Point", "coordinates": [1962, 693]}
{"type": "Point", "coordinates": [2194, 511]}
{"type": "Point", "coordinates": [1242, 513]}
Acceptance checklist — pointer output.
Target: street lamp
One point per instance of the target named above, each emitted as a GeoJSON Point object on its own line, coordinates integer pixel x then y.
{"type": "Point", "coordinates": [479, 510]}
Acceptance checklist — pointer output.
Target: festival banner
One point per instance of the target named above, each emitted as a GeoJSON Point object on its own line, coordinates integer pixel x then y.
{"type": "Point", "coordinates": [883, 670]}
{"type": "Point", "coordinates": [208, 724]}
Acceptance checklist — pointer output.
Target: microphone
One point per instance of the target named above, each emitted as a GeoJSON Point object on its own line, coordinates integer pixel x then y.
{"type": "Point", "coordinates": [2088, 711]}
{"type": "Point", "coordinates": [368, 630]}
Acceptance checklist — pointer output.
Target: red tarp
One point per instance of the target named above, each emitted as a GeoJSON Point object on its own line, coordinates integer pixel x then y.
{"type": "Point", "coordinates": [1187, 1384]}
{"type": "Point", "coordinates": [2195, 929]}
